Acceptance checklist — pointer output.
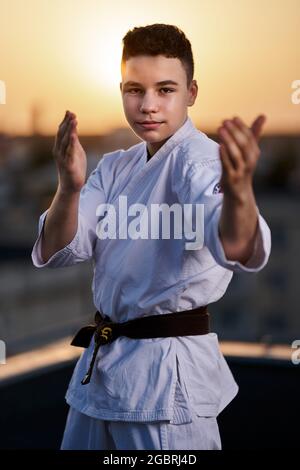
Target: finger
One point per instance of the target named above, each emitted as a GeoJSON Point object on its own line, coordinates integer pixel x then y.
{"type": "Point", "coordinates": [225, 160]}
{"type": "Point", "coordinates": [65, 117]}
{"type": "Point", "coordinates": [72, 136]}
{"type": "Point", "coordinates": [231, 147]}
{"type": "Point", "coordinates": [72, 140]}
{"type": "Point", "coordinates": [253, 131]}
{"type": "Point", "coordinates": [63, 126]}
{"type": "Point", "coordinates": [242, 126]}
{"type": "Point", "coordinates": [236, 133]}
{"type": "Point", "coordinates": [58, 134]}
{"type": "Point", "coordinates": [257, 126]}
{"type": "Point", "coordinates": [66, 138]}
{"type": "Point", "coordinates": [243, 138]}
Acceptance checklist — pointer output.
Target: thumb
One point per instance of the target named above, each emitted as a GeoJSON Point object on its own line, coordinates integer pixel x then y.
{"type": "Point", "coordinates": [257, 125]}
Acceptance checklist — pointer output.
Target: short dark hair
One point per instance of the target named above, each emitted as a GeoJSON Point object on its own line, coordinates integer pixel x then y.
{"type": "Point", "coordinates": [156, 39]}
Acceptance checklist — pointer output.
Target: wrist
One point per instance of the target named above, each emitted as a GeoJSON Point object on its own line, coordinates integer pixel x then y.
{"type": "Point", "coordinates": [240, 196]}
{"type": "Point", "coordinates": [66, 192]}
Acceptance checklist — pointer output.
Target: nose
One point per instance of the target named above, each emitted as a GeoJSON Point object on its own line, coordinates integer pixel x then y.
{"type": "Point", "coordinates": [149, 103]}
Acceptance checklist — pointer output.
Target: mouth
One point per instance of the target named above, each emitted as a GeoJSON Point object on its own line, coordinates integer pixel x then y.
{"type": "Point", "coordinates": [150, 124]}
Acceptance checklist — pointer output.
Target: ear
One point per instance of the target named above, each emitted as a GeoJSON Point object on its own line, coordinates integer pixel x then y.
{"type": "Point", "coordinates": [193, 91]}
{"type": "Point", "coordinates": [121, 86]}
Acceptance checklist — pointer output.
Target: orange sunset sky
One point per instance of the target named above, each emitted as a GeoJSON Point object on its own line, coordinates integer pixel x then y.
{"type": "Point", "coordinates": [65, 54]}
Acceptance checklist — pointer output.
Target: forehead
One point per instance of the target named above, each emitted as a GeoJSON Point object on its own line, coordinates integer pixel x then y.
{"type": "Point", "coordinates": [152, 69]}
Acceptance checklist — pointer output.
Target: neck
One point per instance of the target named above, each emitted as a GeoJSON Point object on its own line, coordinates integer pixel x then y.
{"type": "Point", "coordinates": [150, 151]}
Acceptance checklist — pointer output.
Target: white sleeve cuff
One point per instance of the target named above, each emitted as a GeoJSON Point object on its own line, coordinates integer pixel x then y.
{"type": "Point", "coordinates": [261, 252]}
{"type": "Point", "coordinates": [61, 258]}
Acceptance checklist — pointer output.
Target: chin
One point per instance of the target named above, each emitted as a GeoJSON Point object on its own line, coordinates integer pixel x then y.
{"type": "Point", "coordinates": [151, 138]}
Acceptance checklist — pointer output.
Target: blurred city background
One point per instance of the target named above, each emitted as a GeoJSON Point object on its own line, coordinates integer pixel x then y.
{"type": "Point", "coordinates": [43, 305]}
{"type": "Point", "coordinates": [65, 55]}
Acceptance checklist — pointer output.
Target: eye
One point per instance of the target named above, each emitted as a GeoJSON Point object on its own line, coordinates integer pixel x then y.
{"type": "Point", "coordinates": [133, 90]}
{"type": "Point", "coordinates": [167, 90]}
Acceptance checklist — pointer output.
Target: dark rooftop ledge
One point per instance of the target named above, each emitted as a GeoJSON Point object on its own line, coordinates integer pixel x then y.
{"type": "Point", "coordinates": [31, 363]}
{"type": "Point", "coordinates": [61, 353]}
{"type": "Point", "coordinates": [262, 416]}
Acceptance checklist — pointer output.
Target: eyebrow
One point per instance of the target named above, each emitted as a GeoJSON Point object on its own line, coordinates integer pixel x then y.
{"type": "Point", "coordinates": [164, 82]}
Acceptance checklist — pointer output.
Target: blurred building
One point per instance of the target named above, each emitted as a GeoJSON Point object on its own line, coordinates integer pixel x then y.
{"type": "Point", "coordinates": [39, 305]}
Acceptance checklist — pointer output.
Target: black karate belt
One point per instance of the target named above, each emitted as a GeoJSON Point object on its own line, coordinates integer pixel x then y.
{"type": "Point", "coordinates": [105, 331]}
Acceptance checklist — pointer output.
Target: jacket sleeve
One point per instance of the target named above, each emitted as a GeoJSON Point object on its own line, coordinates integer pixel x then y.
{"type": "Point", "coordinates": [82, 246]}
{"type": "Point", "coordinates": [200, 185]}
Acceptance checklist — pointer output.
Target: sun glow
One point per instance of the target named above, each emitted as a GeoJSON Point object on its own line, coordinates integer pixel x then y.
{"type": "Point", "coordinates": [66, 54]}
{"type": "Point", "coordinates": [100, 61]}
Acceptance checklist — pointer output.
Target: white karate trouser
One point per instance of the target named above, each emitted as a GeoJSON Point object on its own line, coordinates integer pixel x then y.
{"type": "Point", "coordinates": [85, 433]}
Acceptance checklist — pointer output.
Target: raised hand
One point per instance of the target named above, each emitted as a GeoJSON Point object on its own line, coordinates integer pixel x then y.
{"type": "Point", "coordinates": [70, 158]}
{"type": "Point", "coordinates": [239, 153]}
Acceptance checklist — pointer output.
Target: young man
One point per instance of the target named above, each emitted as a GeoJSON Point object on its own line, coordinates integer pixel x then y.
{"type": "Point", "coordinates": [162, 381]}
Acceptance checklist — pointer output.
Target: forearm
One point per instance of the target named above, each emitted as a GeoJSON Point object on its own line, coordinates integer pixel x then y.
{"type": "Point", "coordinates": [238, 225]}
{"type": "Point", "coordinates": [61, 223]}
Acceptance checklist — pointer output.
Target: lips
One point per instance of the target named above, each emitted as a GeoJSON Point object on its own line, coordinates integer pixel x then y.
{"type": "Point", "coordinates": [150, 124]}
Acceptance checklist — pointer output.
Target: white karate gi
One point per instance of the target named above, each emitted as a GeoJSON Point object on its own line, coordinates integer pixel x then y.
{"type": "Point", "coordinates": [161, 379]}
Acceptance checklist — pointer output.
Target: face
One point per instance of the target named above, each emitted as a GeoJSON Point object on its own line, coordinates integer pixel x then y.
{"type": "Point", "coordinates": [154, 89]}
